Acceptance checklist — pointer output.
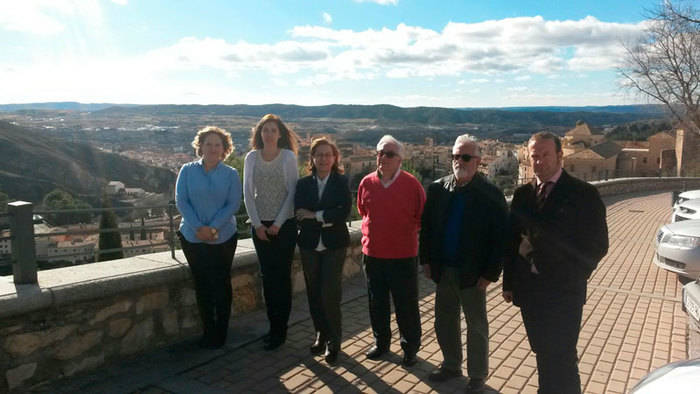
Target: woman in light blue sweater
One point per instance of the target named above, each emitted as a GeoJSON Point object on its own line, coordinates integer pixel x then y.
{"type": "Point", "coordinates": [269, 179]}
{"type": "Point", "coordinates": [208, 195]}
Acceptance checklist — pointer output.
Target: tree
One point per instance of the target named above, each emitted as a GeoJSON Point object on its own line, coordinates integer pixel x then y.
{"type": "Point", "coordinates": [111, 239]}
{"type": "Point", "coordinates": [665, 64]}
{"type": "Point", "coordinates": [58, 199]}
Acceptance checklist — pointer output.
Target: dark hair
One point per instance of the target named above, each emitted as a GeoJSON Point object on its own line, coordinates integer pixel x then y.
{"type": "Point", "coordinates": [337, 167]}
{"type": "Point", "coordinates": [288, 138]}
{"type": "Point", "coordinates": [546, 135]}
{"type": "Point", "coordinates": [202, 135]}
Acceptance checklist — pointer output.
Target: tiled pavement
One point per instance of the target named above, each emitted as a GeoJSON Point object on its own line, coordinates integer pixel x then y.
{"type": "Point", "coordinates": [632, 323]}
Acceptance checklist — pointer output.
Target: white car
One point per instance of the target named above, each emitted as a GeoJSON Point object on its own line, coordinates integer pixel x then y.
{"type": "Point", "coordinates": [678, 249]}
{"type": "Point", "coordinates": [681, 377]}
{"type": "Point", "coordinates": [685, 196]}
{"type": "Point", "coordinates": [687, 210]}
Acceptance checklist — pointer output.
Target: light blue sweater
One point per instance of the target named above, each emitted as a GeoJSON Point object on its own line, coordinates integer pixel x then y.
{"type": "Point", "coordinates": [208, 199]}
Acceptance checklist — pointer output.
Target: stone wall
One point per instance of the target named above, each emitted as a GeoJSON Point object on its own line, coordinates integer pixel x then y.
{"type": "Point", "coordinates": [635, 185]}
{"type": "Point", "coordinates": [80, 318]}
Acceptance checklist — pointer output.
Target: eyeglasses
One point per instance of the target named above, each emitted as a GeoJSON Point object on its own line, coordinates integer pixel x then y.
{"type": "Point", "coordinates": [388, 154]}
{"type": "Point", "coordinates": [323, 155]}
{"type": "Point", "coordinates": [465, 157]}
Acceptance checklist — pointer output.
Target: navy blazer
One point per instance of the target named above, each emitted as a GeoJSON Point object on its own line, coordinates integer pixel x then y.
{"type": "Point", "coordinates": [335, 203]}
{"type": "Point", "coordinates": [569, 236]}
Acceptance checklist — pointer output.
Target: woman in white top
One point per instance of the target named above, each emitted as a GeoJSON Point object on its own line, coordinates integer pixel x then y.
{"type": "Point", "coordinates": [269, 180]}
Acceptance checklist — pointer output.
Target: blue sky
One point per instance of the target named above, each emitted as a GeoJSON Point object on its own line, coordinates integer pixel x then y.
{"type": "Point", "coordinates": [449, 53]}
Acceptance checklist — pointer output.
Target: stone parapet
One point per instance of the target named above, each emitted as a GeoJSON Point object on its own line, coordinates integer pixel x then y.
{"type": "Point", "coordinates": [81, 317]}
{"type": "Point", "coordinates": [633, 185]}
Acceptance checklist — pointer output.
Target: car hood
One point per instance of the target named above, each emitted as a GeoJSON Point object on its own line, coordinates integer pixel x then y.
{"type": "Point", "coordinates": [692, 204]}
{"type": "Point", "coordinates": [687, 227]}
{"type": "Point", "coordinates": [690, 194]}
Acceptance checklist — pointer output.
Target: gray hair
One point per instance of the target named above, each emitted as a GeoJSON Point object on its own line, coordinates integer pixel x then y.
{"type": "Point", "coordinates": [469, 139]}
{"type": "Point", "coordinates": [388, 139]}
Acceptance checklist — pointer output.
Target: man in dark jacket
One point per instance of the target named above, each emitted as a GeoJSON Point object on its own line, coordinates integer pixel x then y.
{"type": "Point", "coordinates": [462, 239]}
{"type": "Point", "coordinates": [558, 236]}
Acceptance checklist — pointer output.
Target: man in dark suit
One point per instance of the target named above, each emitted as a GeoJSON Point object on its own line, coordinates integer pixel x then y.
{"type": "Point", "coordinates": [322, 204]}
{"type": "Point", "coordinates": [462, 238]}
{"type": "Point", "coordinates": [558, 236]}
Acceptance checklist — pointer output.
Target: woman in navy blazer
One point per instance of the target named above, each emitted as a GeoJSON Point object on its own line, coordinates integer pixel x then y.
{"type": "Point", "coordinates": [322, 204]}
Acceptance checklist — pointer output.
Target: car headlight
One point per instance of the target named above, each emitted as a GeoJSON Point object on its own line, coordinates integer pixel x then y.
{"type": "Point", "coordinates": [680, 241]}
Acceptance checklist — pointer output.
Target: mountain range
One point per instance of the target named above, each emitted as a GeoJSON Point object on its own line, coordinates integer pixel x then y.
{"type": "Point", "coordinates": [34, 164]}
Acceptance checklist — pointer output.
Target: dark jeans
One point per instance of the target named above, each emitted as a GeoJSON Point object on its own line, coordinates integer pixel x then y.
{"type": "Point", "coordinates": [553, 322]}
{"type": "Point", "coordinates": [398, 278]}
{"type": "Point", "coordinates": [275, 258]}
{"type": "Point", "coordinates": [323, 272]}
{"type": "Point", "coordinates": [211, 270]}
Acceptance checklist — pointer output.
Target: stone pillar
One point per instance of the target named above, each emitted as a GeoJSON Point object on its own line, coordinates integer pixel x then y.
{"type": "Point", "coordinates": [24, 268]}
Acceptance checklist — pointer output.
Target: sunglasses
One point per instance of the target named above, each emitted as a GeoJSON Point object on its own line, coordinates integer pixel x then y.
{"type": "Point", "coordinates": [465, 157]}
{"type": "Point", "coordinates": [388, 154]}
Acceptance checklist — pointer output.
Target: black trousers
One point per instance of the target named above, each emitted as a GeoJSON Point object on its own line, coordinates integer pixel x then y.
{"type": "Point", "coordinates": [397, 278]}
{"type": "Point", "coordinates": [323, 273]}
{"type": "Point", "coordinates": [211, 270]}
{"type": "Point", "coordinates": [275, 258]}
{"type": "Point", "coordinates": [553, 323]}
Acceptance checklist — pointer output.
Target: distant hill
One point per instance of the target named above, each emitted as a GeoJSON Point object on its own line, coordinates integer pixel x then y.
{"type": "Point", "coordinates": [388, 113]}
{"type": "Point", "coordinates": [34, 163]}
{"type": "Point", "coordinates": [648, 109]}
{"type": "Point", "coordinates": [59, 106]}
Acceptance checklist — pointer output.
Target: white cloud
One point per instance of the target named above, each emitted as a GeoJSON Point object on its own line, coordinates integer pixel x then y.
{"type": "Point", "coordinates": [380, 2]}
{"type": "Point", "coordinates": [327, 18]}
{"type": "Point", "coordinates": [493, 52]}
{"type": "Point", "coordinates": [47, 17]}
{"type": "Point", "coordinates": [121, 2]}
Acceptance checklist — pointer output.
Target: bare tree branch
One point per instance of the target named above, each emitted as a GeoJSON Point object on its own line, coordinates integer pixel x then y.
{"type": "Point", "coordinates": [665, 64]}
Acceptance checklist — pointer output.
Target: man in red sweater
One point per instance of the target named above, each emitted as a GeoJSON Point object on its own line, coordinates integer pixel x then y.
{"type": "Point", "coordinates": [390, 202]}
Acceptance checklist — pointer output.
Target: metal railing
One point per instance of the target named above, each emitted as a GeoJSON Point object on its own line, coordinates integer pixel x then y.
{"type": "Point", "coordinates": [22, 240]}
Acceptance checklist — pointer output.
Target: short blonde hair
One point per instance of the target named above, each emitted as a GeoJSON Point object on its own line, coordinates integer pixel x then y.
{"type": "Point", "coordinates": [202, 135]}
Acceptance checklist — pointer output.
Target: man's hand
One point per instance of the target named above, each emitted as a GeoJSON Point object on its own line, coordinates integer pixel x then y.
{"type": "Point", "coordinates": [426, 270]}
{"type": "Point", "coordinates": [302, 214]}
{"type": "Point", "coordinates": [261, 233]}
{"type": "Point", "coordinates": [483, 283]}
{"type": "Point", "coordinates": [273, 230]}
{"type": "Point", "coordinates": [508, 296]}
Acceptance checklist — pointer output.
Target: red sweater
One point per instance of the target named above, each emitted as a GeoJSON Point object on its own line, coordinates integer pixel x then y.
{"type": "Point", "coordinates": [390, 216]}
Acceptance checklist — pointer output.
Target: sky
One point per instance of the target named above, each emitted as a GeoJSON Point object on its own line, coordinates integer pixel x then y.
{"type": "Point", "coordinates": [445, 53]}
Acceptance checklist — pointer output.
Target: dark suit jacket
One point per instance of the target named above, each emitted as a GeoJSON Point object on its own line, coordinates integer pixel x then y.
{"type": "Point", "coordinates": [483, 232]}
{"type": "Point", "coordinates": [569, 236]}
{"type": "Point", "coordinates": [335, 203]}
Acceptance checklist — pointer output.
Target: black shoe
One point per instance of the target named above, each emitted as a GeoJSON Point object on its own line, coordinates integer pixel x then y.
{"type": "Point", "coordinates": [331, 356]}
{"type": "Point", "coordinates": [266, 338]}
{"type": "Point", "coordinates": [319, 346]}
{"type": "Point", "coordinates": [274, 343]}
{"type": "Point", "coordinates": [476, 385]}
{"type": "Point", "coordinates": [443, 374]}
{"type": "Point", "coordinates": [376, 351]}
{"type": "Point", "coordinates": [409, 360]}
